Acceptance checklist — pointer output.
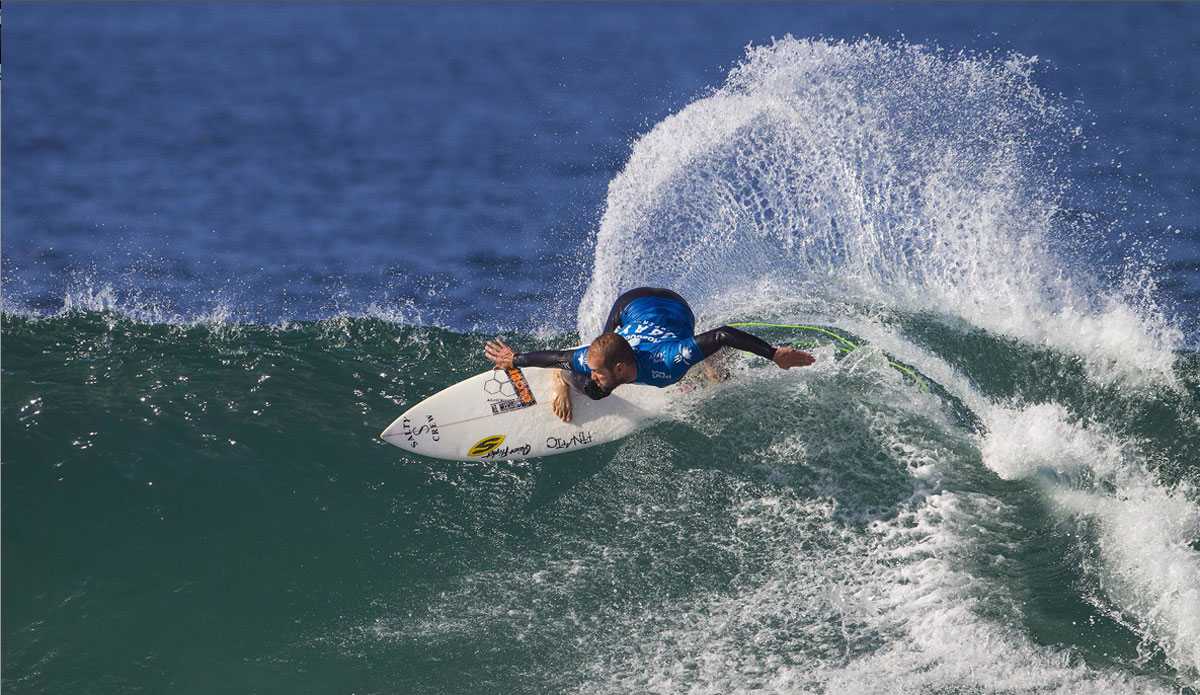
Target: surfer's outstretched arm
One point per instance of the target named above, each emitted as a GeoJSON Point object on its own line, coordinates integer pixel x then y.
{"type": "Point", "coordinates": [549, 359]}
{"type": "Point", "coordinates": [505, 357]}
{"type": "Point", "coordinates": [727, 336]}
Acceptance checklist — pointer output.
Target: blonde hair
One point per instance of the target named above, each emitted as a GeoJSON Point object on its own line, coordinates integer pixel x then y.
{"type": "Point", "coordinates": [612, 349]}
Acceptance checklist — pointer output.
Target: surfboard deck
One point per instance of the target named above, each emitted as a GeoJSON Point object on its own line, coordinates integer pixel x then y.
{"type": "Point", "coordinates": [505, 414]}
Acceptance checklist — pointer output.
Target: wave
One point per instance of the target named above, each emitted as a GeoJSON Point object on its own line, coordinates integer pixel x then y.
{"type": "Point", "coordinates": [797, 532]}
{"type": "Point", "coordinates": [923, 200]}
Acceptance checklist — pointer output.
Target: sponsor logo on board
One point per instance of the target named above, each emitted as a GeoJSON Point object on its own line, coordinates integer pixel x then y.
{"type": "Point", "coordinates": [411, 432]}
{"type": "Point", "coordinates": [509, 452]}
{"type": "Point", "coordinates": [486, 445]}
{"type": "Point", "coordinates": [579, 439]}
{"type": "Point", "coordinates": [509, 392]}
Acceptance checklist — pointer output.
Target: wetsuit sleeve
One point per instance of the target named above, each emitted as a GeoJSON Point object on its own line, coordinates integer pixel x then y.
{"type": "Point", "coordinates": [562, 359]}
{"type": "Point", "coordinates": [727, 336]}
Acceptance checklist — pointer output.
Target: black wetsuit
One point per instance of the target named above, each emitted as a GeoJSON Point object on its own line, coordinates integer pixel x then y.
{"type": "Point", "coordinates": [709, 342]}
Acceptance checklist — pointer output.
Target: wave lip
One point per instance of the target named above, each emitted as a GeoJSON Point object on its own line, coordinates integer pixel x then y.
{"type": "Point", "coordinates": [889, 173]}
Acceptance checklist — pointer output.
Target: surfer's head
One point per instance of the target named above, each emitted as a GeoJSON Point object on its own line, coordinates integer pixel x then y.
{"type": "Point", "coordinates": [611, 360]}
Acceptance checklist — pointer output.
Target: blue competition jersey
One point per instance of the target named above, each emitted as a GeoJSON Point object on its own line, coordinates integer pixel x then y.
{"type": "Point", "coordinates": [661, 333]}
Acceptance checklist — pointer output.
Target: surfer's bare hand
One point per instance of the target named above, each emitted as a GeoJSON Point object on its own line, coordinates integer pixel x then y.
{"type": "Point", "coordinates": [787, 358]}
{"type": "Point", "coordinates": [499, 353]}
{"type": "Point", "coordinates": [560, 400]}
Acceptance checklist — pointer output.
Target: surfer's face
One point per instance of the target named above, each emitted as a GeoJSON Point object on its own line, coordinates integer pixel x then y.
{"type": "Point", "coordinates": [607, 377]}
{"type": "Point", "coordinates": [604, 377]}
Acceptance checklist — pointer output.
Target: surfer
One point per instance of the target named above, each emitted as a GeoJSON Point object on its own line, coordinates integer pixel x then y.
{"type": "Point", "coordinates": [649, 338]}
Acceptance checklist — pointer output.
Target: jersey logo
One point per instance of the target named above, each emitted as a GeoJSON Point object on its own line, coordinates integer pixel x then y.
{"type": "Point", "coordinates": [485, 445]}
{"type": "Point", "coordinates": [685, 355]}
{"type": "Point", "coordinates": [648, 332]}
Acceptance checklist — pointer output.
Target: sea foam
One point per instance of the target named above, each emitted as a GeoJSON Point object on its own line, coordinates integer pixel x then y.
{"type": "Point", "coordinates": [893, 174]}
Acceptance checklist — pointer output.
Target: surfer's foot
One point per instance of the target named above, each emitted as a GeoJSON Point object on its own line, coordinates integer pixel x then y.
{"type": "Point", "coordinates": [560, 400]}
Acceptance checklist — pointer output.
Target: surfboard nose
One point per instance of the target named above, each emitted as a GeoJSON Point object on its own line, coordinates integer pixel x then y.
{"type": "Point", "coordinates": [395, 430]}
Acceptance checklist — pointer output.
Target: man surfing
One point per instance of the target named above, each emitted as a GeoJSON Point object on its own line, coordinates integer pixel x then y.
{"type": "Point", "coordinates": [649, 338]}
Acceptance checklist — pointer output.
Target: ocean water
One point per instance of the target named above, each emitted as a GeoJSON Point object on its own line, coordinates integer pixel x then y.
{"type": "Point", "coordinates": [239, 240]}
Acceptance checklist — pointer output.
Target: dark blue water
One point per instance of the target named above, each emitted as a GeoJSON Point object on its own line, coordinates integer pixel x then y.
{"type": "Point", "coordinates": [451, 161]}
{"type": "Point", "coordinates": [238, 239]}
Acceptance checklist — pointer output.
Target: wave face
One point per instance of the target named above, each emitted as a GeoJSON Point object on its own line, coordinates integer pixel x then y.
{"type": "Point", "coordinates": [206, 505]}
{"type": "Point", "coordinates": [212, 500]}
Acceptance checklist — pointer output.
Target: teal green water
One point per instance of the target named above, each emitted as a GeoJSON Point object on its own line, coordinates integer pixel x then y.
{"type": "Point", "coordinates": [207, 509]}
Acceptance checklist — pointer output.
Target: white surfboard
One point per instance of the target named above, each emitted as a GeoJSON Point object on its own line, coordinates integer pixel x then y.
{"type": "Point", "coordinates": [505, 414]}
